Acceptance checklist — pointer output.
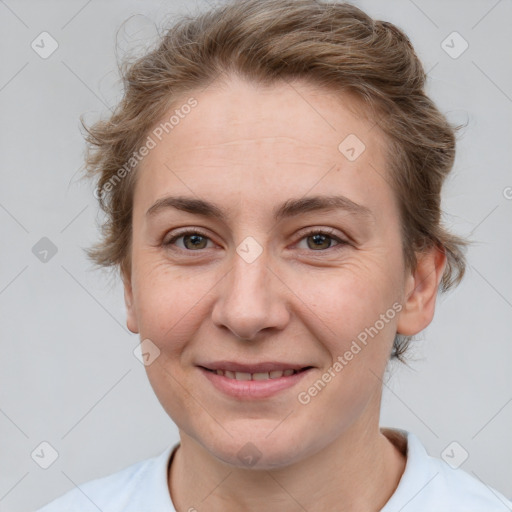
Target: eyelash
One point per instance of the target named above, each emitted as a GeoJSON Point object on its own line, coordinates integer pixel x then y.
{"type": "Point", "coordinates": [325, 231]}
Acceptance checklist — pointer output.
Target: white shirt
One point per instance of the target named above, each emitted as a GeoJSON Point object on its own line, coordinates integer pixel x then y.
{"type": "Point", "coordinates": [428, 484]}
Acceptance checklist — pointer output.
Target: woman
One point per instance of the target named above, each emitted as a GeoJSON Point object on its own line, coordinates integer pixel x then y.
{"type": "Point", "coordinates": [272, 184]}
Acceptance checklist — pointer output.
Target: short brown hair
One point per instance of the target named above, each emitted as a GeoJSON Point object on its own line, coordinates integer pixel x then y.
{"type": "Point", "coordinates": [332, 45]}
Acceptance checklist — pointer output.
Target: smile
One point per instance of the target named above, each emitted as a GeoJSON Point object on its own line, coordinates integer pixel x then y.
{"type": "Point", "coordinates": [253, 385]}
{"type": "Point", "coordinates": [275, 374]}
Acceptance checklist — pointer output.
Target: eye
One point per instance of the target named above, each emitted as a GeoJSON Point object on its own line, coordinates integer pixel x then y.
{"type": "Point", "coordinates": [192, 240]}
{"type": "Point", "coordinates": [321, 239]}
{"type": "Point", "coordinates": [195, 239]}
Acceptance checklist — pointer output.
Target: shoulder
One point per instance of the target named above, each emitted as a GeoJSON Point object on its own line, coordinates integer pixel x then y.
{"type": "Point", "coordinates": [126, 490]}
{"type": "Point", "coordinates": [464, 492]}
{"type": "Point", "coordinates": [429, 483]}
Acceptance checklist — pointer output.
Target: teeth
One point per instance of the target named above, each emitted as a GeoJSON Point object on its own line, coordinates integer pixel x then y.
{"type": "Point", "coordinates": [260, 376]}
{"type": "Point", "coordinates": [274, 374]}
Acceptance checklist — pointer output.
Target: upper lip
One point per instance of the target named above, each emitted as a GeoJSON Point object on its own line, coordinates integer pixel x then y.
{"type": "Point", "coordinates": [265, 366]}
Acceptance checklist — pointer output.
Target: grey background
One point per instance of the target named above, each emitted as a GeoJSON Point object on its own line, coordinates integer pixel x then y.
{"type": "Point", "coordinates": [68, 374]}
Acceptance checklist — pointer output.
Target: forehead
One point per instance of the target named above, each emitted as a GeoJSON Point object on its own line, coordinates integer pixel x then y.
{"type": "Point", "coordinates": [237, 112]}
{"type": "Point", "coordinates": [288, 137]}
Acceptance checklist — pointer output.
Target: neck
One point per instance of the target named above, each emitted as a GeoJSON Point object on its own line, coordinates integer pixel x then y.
{"type": "Point", "coordinates": [359, 470]}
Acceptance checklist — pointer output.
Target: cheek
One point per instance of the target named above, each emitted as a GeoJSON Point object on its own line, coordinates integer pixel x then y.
{"type": "Point", "coordinates": [169, 300]}
{"type": "Point", "coordinates": [170, 309]}
{"type": "Point", "coordinates": [355, 314]}
{"type": "Point", "coordinates": [352, 297]}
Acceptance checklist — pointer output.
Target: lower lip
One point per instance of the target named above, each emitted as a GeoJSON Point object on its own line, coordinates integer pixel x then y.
{"type": "Point", "coordinates": [247, 389]}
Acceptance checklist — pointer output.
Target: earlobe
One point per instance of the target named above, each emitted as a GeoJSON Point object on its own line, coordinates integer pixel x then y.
{"type": "Point", "coordinates": [421, 292]}
{"type": "Point", "coordinates": [131, 318]}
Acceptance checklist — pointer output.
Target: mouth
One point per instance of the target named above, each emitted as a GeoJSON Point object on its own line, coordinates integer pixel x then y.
{"type": "Point", "coordinates": [257, 381]}
{"type": "Point", "coordinates": [273, 374]}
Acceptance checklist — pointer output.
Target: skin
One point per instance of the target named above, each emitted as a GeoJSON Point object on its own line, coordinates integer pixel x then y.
{"type": "Point", "coordinates": [248, 148]}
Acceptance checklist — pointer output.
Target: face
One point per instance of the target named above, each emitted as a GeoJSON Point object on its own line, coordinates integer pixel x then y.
{"type": "Point", "coordinates": [298, 290]}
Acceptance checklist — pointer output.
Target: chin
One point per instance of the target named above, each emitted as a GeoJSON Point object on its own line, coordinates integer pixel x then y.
{"type": "Point", "coordinates": [258, 450]}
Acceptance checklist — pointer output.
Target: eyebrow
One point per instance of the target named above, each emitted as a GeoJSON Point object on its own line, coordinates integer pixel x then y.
{"type": "Point", "coordinates": [290, 208]}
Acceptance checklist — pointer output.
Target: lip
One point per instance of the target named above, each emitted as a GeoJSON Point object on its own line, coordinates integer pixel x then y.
{"type": "Point", "coordinates": [253, 389]}
{"type": "Point", "coordinates": [264, 366]}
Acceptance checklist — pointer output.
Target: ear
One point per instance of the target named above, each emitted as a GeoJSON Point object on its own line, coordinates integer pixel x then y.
{"type": "Point", "coordinates": [131, 317]}
{"type": "Point", "coordinates": [421, 292]}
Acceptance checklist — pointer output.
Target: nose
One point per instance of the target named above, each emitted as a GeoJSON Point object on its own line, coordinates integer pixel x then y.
{"type": "Point", "coordinates": [251, 299]}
